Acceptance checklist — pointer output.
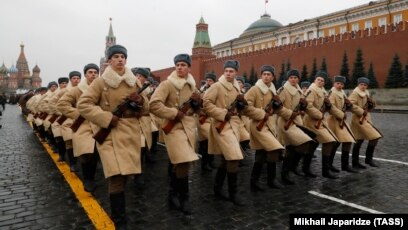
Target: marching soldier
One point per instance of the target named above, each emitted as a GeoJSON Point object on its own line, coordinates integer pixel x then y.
{"type": "Point", "coordinates": [120, 151]}
{"type": "Point", "coordinates": [362, 125]}
{"type": "Point", "coordinates": [304, 85]}
{"type": "Point", "coordinates": [222, 102]}
{"type": "Point", "coordinates": [337, 123]}
{"type": "Point", "coordinates": [83, 144]}
{"type": "Point", "coordinates": [66, 131]}
{"type": "Point", "coordinates": [203, 128]}
{"type": "Point", "coordinates": [318, 104]}
{"type": "Point", "coordinates": [32, 105]}
{"type": "Point", "coordinates": [262, 103]}
{"type": "Point", "coordinates": [298, 144]}
{"type": "Point", "coordinates": [55, 126]}
{"type": "Point", "coordinates": [179, 138]}
{"type": "Point", "coordinates": [43, 107]}
{"type": "Point", "coordinates": [142, 74]}
{"type": "Point", "coordinates": [244, 131]}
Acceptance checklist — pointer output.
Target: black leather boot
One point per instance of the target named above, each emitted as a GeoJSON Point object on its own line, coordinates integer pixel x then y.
{"type": "Point", "coordinates": [307, 161]}
{"type": "Point", "coordinates": [369, 156]}
{"type": "Point", "coordinates": [88, 175]}
{"type": "Point", "coordinates": [182, 187]}
{"type": "Point", "coordinates": [295, 159]}
{"type": "Point", "coordinates": [331, 158]}
{"type": "Point", "coordinates": [326, 168]}
{"type": "Point", "coordinates": [256, 173]}
{"type": "Point", "coordinates": [218, 183]}
{"type": "Point", "coordinates": [232, 190]}
{"type": "Point", "coordinates": [271, 176]}
{"type": "Point", "coordinates": [287, 165]}
{"type": "Point", "coordinates": [118, 210]}
{"type": "Point", "coordinates": [61, 149]}
{"type": "Point", "coordinates": [355, 156]}
{"type": "Point", "coordinates": [203, 150]}
{"type": "Point", "coordinates": [172, 198]}
{"type": "Point", "coordinates": [345, 162]}
{"type": "Point", "coordinates": [72, 160]}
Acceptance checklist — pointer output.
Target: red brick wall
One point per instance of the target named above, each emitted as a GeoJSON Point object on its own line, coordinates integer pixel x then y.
{"type": "Point", "coordinates": [379, 48]}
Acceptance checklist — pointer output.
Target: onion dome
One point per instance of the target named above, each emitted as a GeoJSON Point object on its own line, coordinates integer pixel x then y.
{"type": "Point", "coordinates": [13, 69]}
{"type": "Point", "coordinates": [3, 69]}
{"type": "Point", "coordinates": [36, 69]}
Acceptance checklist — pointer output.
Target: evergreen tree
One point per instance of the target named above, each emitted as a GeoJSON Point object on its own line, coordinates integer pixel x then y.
{"type": "Point", "coordinates": [282, 77]}
{"type": "Point", "coordinates": [245, 76]}
{"type": "Point", "coordinates": [344, 71]}
{"type": "Point", "coordinates": [371, 76]}
{"type": "Point", "coordinates": [253, 76]}
{"type": "Point", "coordinates": [288, 66]}
{"type": "Point", "coordinates": [328, 82]}
{"type": "Point", "coordinates": [303, 75]}
{"type": "Point", "coordinates": [405, 83]}
{"type": "Point", "coordinates": [358, 69]}
{"type": "Point", "coordinates": [314, 71]}
{"type": "Point", "coordinates": [395, 77]}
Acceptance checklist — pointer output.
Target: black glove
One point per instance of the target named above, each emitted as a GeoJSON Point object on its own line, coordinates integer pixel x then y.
{"type": "Point", "coordinates": [196, 101]}
{"type": "Point", "coordinates": [135, 101]}
{"type": "Point", "coordinates": [327, 104]}
{"type": "Point", "coordinates": [302, 104]}
{"type": "Point", "coordinates": [348, 104]}
{"type": "Point", "coordinates": [241, 103]}
{"type": "Point", "coordinates": [276, 103]}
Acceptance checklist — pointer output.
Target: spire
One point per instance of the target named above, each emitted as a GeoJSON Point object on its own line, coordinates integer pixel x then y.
{"type": "Point", "coordinates": [110, 39]}
{"type": "Point", "coordinates": [110, 29]}
{"type": "Point", "coordinates": [202, 39]}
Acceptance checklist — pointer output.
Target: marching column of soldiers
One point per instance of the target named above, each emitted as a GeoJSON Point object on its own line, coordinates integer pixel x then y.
{"type": "Point", "coordinates": [116, 119]}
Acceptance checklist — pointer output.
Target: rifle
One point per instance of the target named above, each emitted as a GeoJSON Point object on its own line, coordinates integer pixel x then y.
{"type": "Point", "coordinates": [183, 108]}
{"type": "Point", "coordinates": [78, 122]}
{"type": "Point", "coordinates": [296, 110]}
{"type": "Point", "coordinates": [268, 109]}
{"type": "Point", "coordinates": [103, 133]}
{"type": "Point", "coordinates": [231, 109]}
{"type": "Point", "coordinates": [369, 105]}
{"type": "Point", "coordinates": [61, 119]}
{"type": "Point", "coordinates": [43, 115]}
{"type": "Point", "coordinates": [202, 118]}
{"type": "Point", "coordinates": [347, 106]}
{"type": "Point", "coordinates": [323, 109]}
{"type": "Point", "coordinates": [53, 118]}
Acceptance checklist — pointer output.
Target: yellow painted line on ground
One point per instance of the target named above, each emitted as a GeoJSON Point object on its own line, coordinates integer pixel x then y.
{"type": "Point", "coordinates": [95, 212]}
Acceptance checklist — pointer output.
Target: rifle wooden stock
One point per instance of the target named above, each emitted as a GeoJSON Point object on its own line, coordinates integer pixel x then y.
{"type": "Point", "coordinates": [231, 109]}
{"type": "Point", "coordinates": [103, 133]}
{"type": "Point", "coordinates": [77, 123]}
{"type": "Point", "coordinates": [268, 109]}
{"type": "Point", "coordinates": [290, 121]}
{"type": "Point", "coordinates": [202, 119]}
{"type": "Point", "coordinates": [53, 118]}
{"type": "Point", "coordinates": [61, 119]}
{"type": "Point", "coordinates": [171, 123]}
{"type": "Point", "coordinates": [43, 115]}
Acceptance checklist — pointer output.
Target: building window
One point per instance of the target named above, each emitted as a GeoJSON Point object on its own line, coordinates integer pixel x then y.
{"type": "Point", "coordinates": [310, 35]}
{"type": "Point", "coordinates": [368, 24]}
{"type": "Point", "coordinates": [262, 46]}
{"type": "Point", "coordinates": [332, 31]}
{"type": "Point", "coordinates": [228, 52]}
{"type": "Point", "coordinates": [321, 33]}
{"type": "Point", "coordinates": [355, 27]}
{"type": "Point", "coordinates": [382, 21]}
{"type": "Point", "coordinates": [343, 29]}
{"type": "Point", "coordinates": [397, 18]}
{"type": "Point", "coordinates": [284, 40]}
{"type": "Point", "coordinates": [269, 44]}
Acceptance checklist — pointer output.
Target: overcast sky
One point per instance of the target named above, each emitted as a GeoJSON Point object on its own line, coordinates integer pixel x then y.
{"type": "Point", "coordinates": [64, 35]}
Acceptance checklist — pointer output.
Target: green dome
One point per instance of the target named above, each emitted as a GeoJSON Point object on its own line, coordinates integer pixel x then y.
{"type": "Point", "coordinates": [264, 24]}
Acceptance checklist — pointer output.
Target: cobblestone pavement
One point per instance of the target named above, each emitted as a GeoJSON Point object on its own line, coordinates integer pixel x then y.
{"type": "Point", "coordinates": [33, 194]}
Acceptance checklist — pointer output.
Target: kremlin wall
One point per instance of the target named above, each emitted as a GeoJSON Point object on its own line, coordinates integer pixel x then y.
{"type": "Point", "coordinates": [378, 28]}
